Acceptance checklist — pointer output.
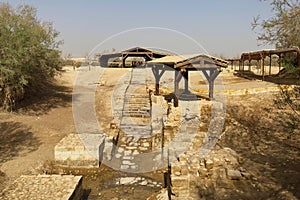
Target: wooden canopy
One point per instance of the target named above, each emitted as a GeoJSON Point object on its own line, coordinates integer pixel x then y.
{"type": "Point", "coordinates": [147, 54]}
{"type": "Point", "coordinates": [182, 64]}
{"type": "Point", "coordinates": [260, 57]}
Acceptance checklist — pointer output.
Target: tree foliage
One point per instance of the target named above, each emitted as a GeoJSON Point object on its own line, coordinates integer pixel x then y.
{"type": "Point", "coordinates": [29, 58]}
{"type": "Point", "coordinates": [281, 30]}
{"type": "Point", "coordinates": [288, 100]}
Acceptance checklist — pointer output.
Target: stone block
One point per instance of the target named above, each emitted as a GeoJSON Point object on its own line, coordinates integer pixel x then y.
{"type": "Point", "coordinates": [180, 182]}
{"type": "Point", "coordinates": [209, 164]}
{"type": "Point", "coordinates": [60, 187]}
{"type": "Point", "coordinates": [234, 174]}
{"type": "Point", "coordinates": [84, 150]}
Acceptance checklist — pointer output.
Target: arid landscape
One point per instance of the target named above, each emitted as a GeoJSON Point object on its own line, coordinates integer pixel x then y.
{"type": "Point", "coordinates": [254, 129]}
{"type": "Point", "coordinates": [150, 100]}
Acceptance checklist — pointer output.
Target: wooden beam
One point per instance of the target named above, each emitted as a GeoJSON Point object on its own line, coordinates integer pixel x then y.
{"type": "Point", "coordinates": [249, 66]}
{"type": "Point", "coordinates": [211, 85]}
{"type": "Point", "coordinates": [186, 81]}
{"type": "Point", "coordinates": [270, 67]}
{"type": "Point", "coordinates": [176, 87]}
{"type": "Point", "coordinates": [263, 69]}
{"type": "Point", "coordinates": [279, 62]}
{"type": "Point", "coordinates": [243, 64]}
{"type": "Point", "coordinates": [202, 60]}
{"type": "Point", "coordinates": [206, 75]}
{"type": "Point", "coordinates": [157, 76]}
{"type": "Point", "coordinates": [124, 57]}
{"type": "Point", "coordinates": [213, 74]}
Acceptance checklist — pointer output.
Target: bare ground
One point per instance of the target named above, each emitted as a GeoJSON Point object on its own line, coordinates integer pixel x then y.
{"type": "Point", "coordinates": [254, 129]}
{"type": "Point", "coordinates": [270, 149]}
{"type": "Point", "coordinates": [28, 136]}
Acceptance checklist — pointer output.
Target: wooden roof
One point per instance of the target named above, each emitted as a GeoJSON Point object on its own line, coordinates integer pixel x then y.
{"type": "Point", "coordinates": [191, 61]}
{"type": "Point", "coordinates": [257, 55]}
{"type": "Point", "coordinates": [134, 51]}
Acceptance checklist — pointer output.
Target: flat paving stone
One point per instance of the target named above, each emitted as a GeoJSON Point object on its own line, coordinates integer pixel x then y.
{"type": "Point", "coordinates": [50, 187]}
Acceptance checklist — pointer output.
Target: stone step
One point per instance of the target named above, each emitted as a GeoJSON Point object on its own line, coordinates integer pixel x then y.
{"type": "Point", "coordinates": [136, 108]}
{"type": "Point", "coordinates": [136, 128]}
{"type": "Point", "coordinates": [134, 96]}
{"type": "Point", "coordinates": [135, 114]}
{"type": "Point", "coordinates": [137, 101]}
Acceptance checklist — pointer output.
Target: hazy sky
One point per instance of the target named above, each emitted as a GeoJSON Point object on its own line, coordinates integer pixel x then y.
{"type": "Point", "coordinates": [191, 26]}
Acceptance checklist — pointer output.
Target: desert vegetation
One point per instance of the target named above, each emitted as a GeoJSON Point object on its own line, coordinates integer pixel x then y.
{"type": "Point", "coordinates": [29, 56]}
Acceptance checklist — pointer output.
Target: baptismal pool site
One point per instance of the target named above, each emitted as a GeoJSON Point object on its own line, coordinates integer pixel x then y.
{"type": "Point", "coordinates": [160, 137]}
{"type": "Point", "coordinates": [142, 123]}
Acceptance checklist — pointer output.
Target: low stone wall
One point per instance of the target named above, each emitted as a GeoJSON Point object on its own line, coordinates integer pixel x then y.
{"type": "Point", "coordinates": [50, 187]}
{"type": "Point", "coordinates": [85, 150]}
{"type": "Point", "coordinates": [245, 91]}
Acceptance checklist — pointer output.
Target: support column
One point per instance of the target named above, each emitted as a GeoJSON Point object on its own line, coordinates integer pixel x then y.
{"type": "Point", "coordinates": [243, 64]}
{"type": "Point", "coordinates": [249, 67]}
{"type": "Point", "coordinates": [186, 81]}
{"type": "Point", "coordinates": [211, 85]}
{"type": "Point", "coordinates": [157, 77]}
{"type": "Point", "coordinates": [123, 62]}
{"type": "Point", "coordinates": [213, 74]}
{"type": "Point", "coordinates": [177, 79]}
{"type": "Point", "coordinates": [270, 67]}
{"type": "Point", "coordinates": [263, 69]}
{"type": "Point", "coordinates": [155, 72]}
{"type": "Point", "coordinates": [279, 62]}
{"type": "Point", "coordinates": [124, 57]}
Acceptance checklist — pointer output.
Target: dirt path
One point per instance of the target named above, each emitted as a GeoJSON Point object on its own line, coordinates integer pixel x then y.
{"type": "Point", "coordinates": [28, 137]}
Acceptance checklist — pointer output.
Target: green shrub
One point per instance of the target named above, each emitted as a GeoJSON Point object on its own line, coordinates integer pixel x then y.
{"type": "Point", "coordinates": [29, 58]}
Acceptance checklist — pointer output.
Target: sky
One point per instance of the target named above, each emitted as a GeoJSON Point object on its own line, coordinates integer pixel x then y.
{"type": "Point", "coordinates": [183, 27]}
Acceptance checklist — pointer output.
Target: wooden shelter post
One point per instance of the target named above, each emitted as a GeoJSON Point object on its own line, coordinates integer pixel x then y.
{"type": "Point", "coordinates": [243, 64]}
{"type": "Point", "coordinates": [249, 67]}
{"type": "Point", "coordinates": [263, 68]}
{"type": "Point", "coordinates": [124, 60]}
{"type": "Point", "coordinates": [270, 67]}
{"type": "Point", "coordinates": [157, 76]}
{"type": "Point", "coordinates": [213, 73]}
{"type": "Point", "coordinates": [186, 81]}
{"type": "Point", "coordinates": [177, 79]}
{"type": "Point", "coordinates": [279, 62]}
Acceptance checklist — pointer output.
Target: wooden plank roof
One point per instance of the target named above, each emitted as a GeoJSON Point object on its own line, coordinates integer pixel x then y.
{"type": "Point", "coordinates": [190, 61]}
{"type": "Point", "coordinates": [134, 50]}
{"type": "Point", "coordinates": [257, 55]}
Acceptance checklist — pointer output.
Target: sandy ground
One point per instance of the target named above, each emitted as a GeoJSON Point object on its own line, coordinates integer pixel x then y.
{"type": "Point", "coordinates": [28, 136]}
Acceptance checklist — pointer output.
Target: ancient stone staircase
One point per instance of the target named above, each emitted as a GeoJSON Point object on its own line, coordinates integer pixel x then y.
{"type": "Point", "coordinates": [132, 110]}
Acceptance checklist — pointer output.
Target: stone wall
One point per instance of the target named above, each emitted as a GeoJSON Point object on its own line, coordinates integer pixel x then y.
{"type": "Point", "coordinates": [190, 136]}
{"type": "Point", "coordinates": [85, 150]}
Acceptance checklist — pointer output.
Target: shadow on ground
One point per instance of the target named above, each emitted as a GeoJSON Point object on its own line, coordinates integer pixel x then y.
{"type": "Point", "coordinates": [279, 78]}
{"type": "Point", "coordinates": [260, 138]}
{"type": "Point", "coordinates": [51, 96]}
{"type": "Point", "coordinates": [16, 140]}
